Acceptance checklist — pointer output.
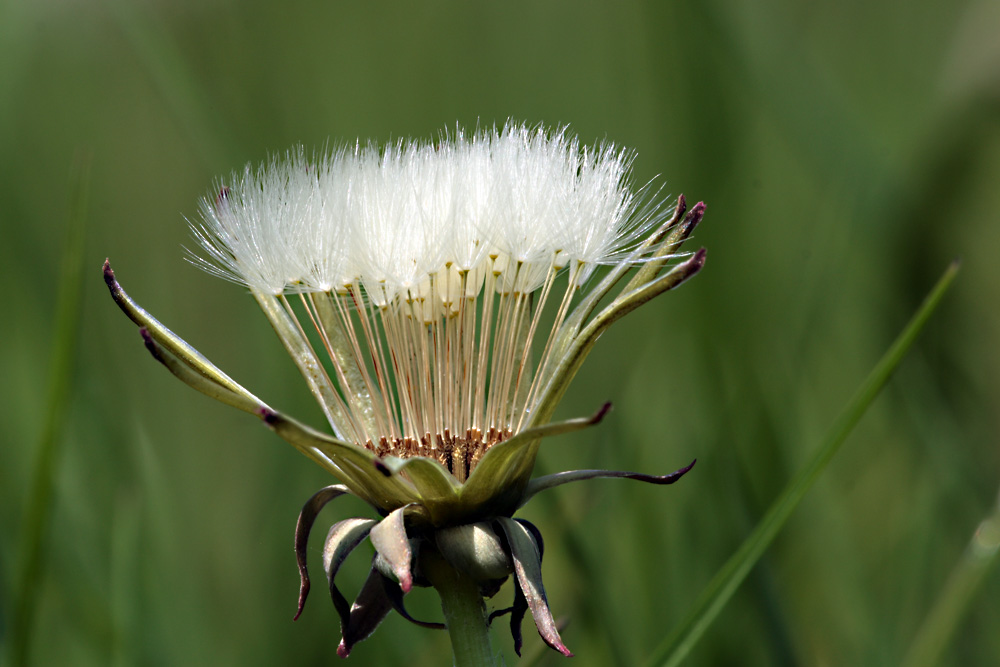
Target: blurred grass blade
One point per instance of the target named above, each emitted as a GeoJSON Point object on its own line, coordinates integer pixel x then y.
{"type": "Point", "coordinates": [682, 639]}
{"type": "Point", "coordinates": [63, 361]}
{"type": "Point", "coordinates": [174, 78]}
{"type": "Point", "coordinates": [975, 565]}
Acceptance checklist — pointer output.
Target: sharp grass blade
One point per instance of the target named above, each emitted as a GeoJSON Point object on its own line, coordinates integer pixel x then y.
{"type": "Point", "coordinates": [682, 639]}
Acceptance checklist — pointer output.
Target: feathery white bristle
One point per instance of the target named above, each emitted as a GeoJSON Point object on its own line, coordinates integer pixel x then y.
{"type": "Point", "coordinates": [391, 218]}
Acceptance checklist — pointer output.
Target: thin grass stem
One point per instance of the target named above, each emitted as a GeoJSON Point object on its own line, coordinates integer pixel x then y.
{"type": "Point", "coordinates": [678, 644]}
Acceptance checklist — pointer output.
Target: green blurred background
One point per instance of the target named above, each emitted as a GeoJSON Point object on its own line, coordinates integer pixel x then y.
{"type": "Point", "coordinates": [847, 152]}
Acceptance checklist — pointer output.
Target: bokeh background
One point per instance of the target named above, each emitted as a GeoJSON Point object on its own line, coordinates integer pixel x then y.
{"type": "Point", "coordinates": [847, 152]}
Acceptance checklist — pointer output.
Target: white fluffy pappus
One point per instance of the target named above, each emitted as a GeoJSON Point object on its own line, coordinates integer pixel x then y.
{"type": "Point", "coordinates": [392, 218]}
{"type": "Point", "coordinates": [424, 269]}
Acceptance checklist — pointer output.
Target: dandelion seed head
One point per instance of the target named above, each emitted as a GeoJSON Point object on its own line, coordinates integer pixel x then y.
{"type": "Point", "coordinates": [416, 286]}
{"type": "Point", "coordinates": [414, 261]}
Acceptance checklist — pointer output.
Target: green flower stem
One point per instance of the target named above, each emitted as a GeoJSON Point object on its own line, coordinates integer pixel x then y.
{"type": "Point", "coordinates": [464, 611]}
